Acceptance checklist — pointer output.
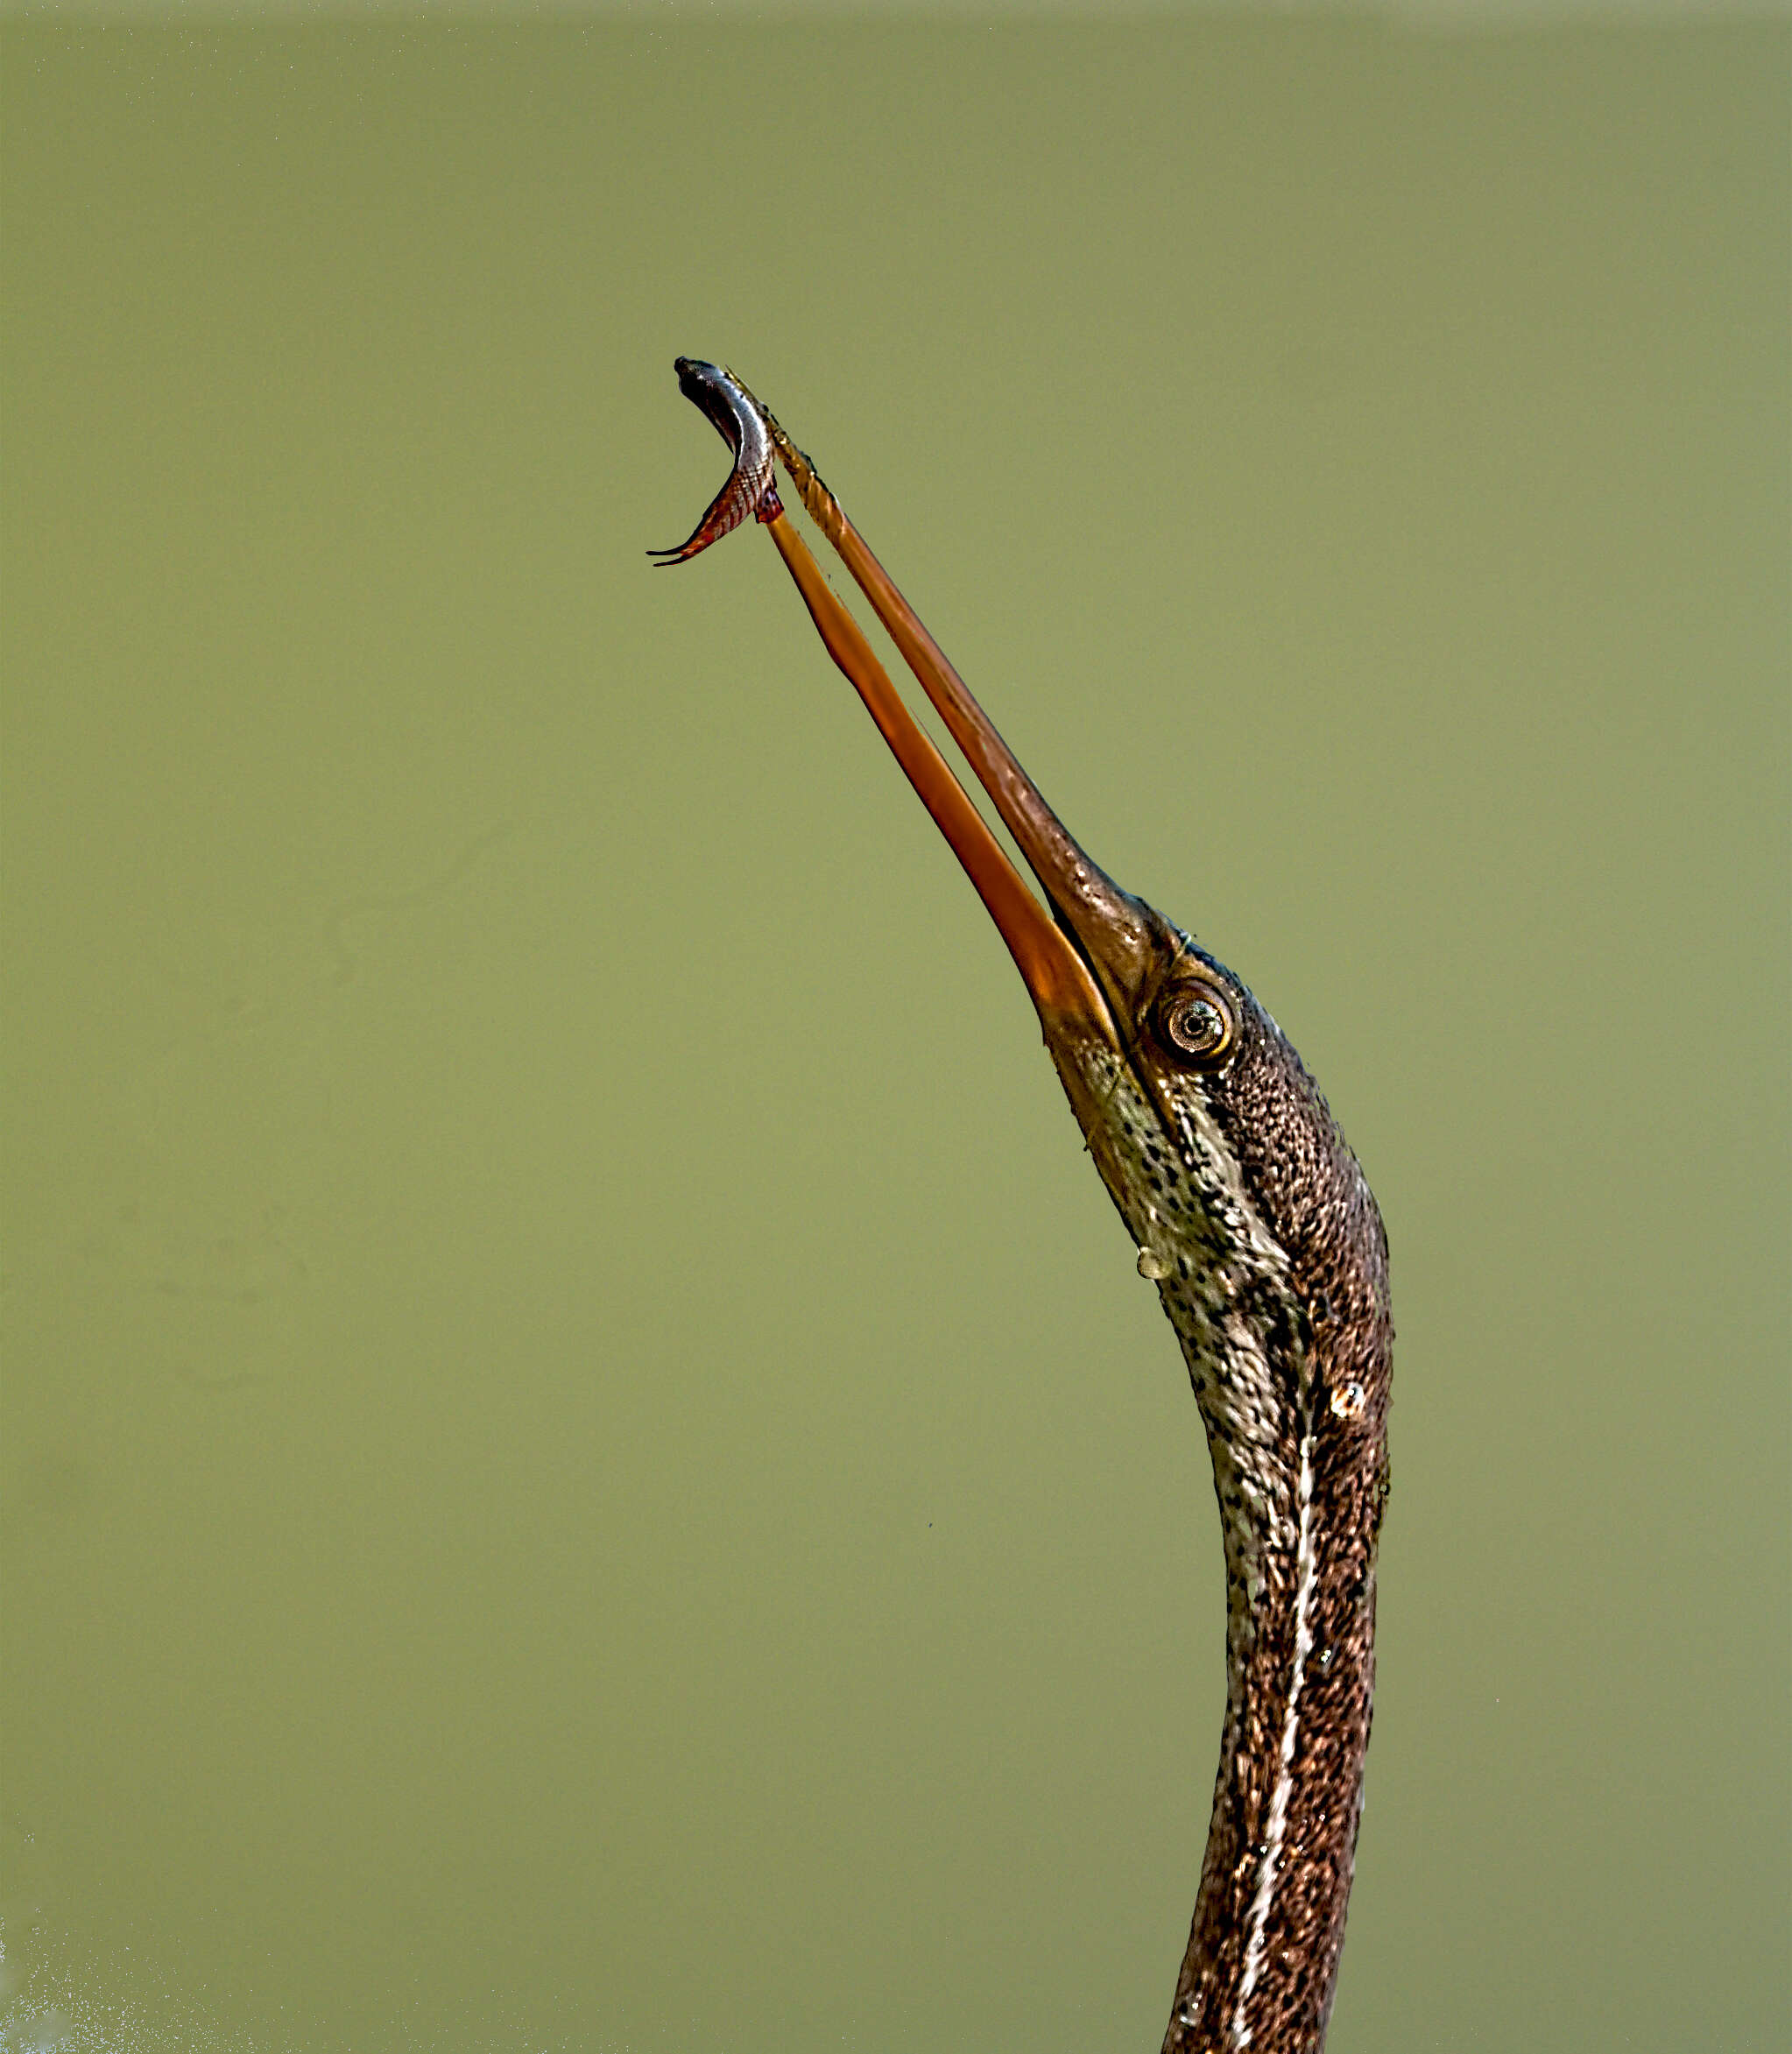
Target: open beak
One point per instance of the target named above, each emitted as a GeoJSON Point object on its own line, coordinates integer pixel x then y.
{"type": "Point", "coordinates": [1086, 955]}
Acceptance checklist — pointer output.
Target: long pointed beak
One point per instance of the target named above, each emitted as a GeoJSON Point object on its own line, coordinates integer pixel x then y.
{"type": "Point", "coordinates": [1084, 960]}
{"type": "Point", "coordinates": [1054, 973]}
{"type": "Point", "coordinates": [1110, 930]}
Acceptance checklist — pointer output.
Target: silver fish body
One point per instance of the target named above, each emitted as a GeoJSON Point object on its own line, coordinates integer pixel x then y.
{"type": "Point", "coordinates": [740, 421]}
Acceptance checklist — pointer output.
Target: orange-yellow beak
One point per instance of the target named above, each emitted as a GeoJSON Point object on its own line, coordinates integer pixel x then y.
{"type": "Point", "coordinates": [1086, 954]}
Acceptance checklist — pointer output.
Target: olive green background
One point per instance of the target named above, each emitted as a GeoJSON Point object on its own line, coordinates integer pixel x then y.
{"type": "Point", "coordinates": [586, 1463]}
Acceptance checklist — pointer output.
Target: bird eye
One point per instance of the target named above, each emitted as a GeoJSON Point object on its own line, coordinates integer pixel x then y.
{"type": "Point", "coordinates": [1198, 1025]}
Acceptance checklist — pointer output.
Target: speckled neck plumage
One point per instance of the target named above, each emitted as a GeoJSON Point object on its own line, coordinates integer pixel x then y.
{"type": "Point", "coordinates": [1287, 1339]}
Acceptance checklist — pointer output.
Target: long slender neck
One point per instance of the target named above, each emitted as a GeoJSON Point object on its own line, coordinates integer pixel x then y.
{"type": "Point", "coordinates": [1268, 1927]}
{"type": "Point", "coordinates": [1289, 1356]}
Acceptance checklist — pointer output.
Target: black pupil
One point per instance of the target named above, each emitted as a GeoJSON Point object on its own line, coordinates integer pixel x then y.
{"type": "Point", "coordinates": [1198, 1025]}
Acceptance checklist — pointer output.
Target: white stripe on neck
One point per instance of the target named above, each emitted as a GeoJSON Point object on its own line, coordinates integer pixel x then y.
{"type": "Point", "coordinates": [1307, 1574]}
